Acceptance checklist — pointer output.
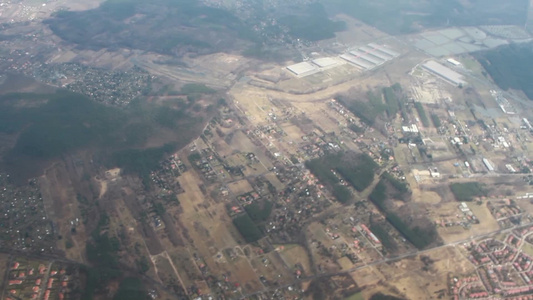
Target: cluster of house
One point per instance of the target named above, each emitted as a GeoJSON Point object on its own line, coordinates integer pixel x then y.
{"type": "Point", "coordinates": [28, 283]}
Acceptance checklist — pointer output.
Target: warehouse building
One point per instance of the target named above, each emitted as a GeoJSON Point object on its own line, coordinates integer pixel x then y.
{"type": "Point", "coordinates": [385, 50]}
{"type": "Point", "coordinates": [357, 53]}
{"type": "Point", "coordinates": [303, 69]}
{"type": "Point", "coordinates": [381, 55]}
{"type": "Point", "coordinates": [367, 49]}
{"type": "Point", "coordinates": [370, 56]}
{"type": "Point", "coordinates": [358, 62]}
{"type": "Point", "coordinates": [488, 165]}
{"type": "Point", "coordinates": [453, 62]}
{"type": "Point", "coordinates": [372, 59]}
{"type": "Point", "coordinates": [326, 62]}
{"type": "Point", "coordinates": [445, 73]}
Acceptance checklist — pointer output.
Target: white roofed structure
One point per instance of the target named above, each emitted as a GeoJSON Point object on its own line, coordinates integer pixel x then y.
{"type": "Point", "coordinates": [374, 60]}
{"type": "Point", "coordinates": [366, 49]}
{"type": "Point", "coordinates": [357, 53]}
{"type": "Point", "coordinates": [454, 62]}
{"type": "Point", "coordinates": [388, 51]}
{"type": "Point", "coordinates": [444, 72]}
{"type": "Point", "coordinates": [488, 164]}
{"type": "Point", "coordinates": [381, 55]}
{"type": "Point", "coordinates": [357, 61]}
{"type": "Point", "coordinates": [325, 62]}
{"type": "Point", "coordinates": [303, 69]}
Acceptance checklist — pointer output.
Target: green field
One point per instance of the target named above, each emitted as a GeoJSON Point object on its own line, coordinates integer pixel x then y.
{"type": "Point", "coordinates": [356, 296]}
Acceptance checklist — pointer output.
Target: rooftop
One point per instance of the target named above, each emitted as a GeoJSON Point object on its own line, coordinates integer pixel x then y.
{"type": "Point", "coordinates": [325, 62]}
{"type": "Point", "coordinates": [444, 72]}
{"type": "Point", "coordinates": [302, 68]}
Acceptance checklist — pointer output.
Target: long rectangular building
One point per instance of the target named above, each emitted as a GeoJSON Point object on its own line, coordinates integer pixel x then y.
{"type": "Point", "coordinates": [357, 53]}
{"type": "Point", "coordinates": [444, 72]}
{"type": "Point", "coordinates": [357, 61]}
{"type": "Point", "coordinates": [385, 50]}
{"type": "Point", "coordinates": [487, 164]}
{"type": "Point", "coordinates": [366, 49]}
{"type": "Point", "coordinates": [325, 62]}
{"type": "Point", "coordinates": [370, 58]}
{"type": "Point", "coordinates": [303, 69]}
{"type": "Point", "coordinates": [381, 55]}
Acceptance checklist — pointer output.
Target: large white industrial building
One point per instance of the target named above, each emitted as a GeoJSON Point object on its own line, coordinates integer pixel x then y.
{"type": "Point", "coordinates": [370, 56]}
{"type": "Point", "coordinates": [357, 61]}
{"type": "Point", "coordinates": [303, 69]}
{"type": "Point", "coordinates": [444, 73]}
{"type": "Point", "coordinates": [365, 57]}
{"type": "Point", "coordinates": [326, 62]}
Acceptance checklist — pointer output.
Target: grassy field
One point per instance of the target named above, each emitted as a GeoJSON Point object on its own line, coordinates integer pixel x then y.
{"type": "Point", "coordinates": [356, 296]}
{"type": "Point", "coordinates": [527, 248]}
{"type": "Point", "coordinates": [296, 254]}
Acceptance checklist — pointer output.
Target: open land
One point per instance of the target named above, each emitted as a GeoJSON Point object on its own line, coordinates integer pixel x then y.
{"type": "Point", "coordinates": [373, 174]}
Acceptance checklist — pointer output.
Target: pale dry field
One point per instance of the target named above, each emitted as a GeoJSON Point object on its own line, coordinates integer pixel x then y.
{"type": "Point", "coordinates": [296, 254]}
{"type": "Point", "coordinates": [457, 233]}
{"type": "Point", "coordinates": [272, 268]}
{"type": "Point", "coordinates": [408, 279]}
{"type": "Point", "coordinates": [367, 276]}
{"type": "Point", "coordinates": [426, 197]}
{"type": "Point", "coordinates": [60, 204]}
{"type": "Point", "coordinates": [211, 229]}
{"type": "Point", "coordinates": [240, 187]}
{"type": "Point", "coordinates": [275, 181]}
